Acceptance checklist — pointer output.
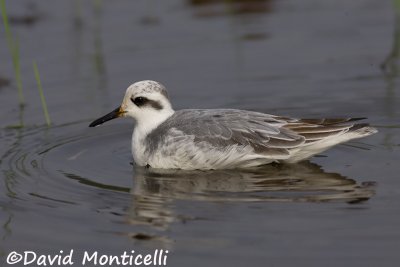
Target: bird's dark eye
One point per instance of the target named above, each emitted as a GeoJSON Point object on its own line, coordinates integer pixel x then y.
{"type": "Point", "coordinates": [139, 101]}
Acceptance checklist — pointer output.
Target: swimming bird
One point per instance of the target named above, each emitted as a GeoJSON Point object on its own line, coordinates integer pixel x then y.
{"type": "Point", "coordinates": [222, 138]}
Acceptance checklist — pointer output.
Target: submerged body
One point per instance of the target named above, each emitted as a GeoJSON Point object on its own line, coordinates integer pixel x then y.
{"type": "Point", "coordinates": [222, 138]}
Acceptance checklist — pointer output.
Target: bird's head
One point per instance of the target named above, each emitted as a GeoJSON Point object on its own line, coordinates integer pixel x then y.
{"type": "Point", "coordinates": [145, 101]}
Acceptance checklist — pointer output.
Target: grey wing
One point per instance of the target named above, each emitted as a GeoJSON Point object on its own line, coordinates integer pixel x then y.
{"type": "Point", "coordinates": [269, 135]}
{"type": "Point", "coordinates": [222, 128]}
{"type": "Point", "coordinates": [315, 130]}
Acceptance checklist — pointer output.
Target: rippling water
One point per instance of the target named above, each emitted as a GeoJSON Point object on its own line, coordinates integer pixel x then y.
{"type": "Point", "coordinates": [72, 187]}
{"type": "Point", "coordinates": [47, 166]}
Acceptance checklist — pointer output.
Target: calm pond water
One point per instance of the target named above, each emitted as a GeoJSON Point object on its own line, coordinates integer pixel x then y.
{"type": "Point", "coordinates": [72, 187]}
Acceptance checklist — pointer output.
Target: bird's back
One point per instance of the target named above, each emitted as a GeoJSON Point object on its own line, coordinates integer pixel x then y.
{"type": "Point", "coordinates": [229, 138]}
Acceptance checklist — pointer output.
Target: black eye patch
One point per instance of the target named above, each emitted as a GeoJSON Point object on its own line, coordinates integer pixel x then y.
{"type": "Point", "coordinates": [139, 101]}
{"type": "Point", "coordinates": [142, 101]}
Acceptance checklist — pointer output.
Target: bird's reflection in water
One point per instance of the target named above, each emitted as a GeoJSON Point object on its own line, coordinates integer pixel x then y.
{"type": "Point", "coordinates": [155, 191]}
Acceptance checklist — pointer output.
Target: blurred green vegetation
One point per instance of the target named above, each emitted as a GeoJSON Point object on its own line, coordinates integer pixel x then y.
{"type": "Point", "coordinates": [13, 46]}
{"type": "Point", "coordinates": [42, 98]}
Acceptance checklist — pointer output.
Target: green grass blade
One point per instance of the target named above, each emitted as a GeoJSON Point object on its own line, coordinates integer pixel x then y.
{"type": "Point", "coordinates": [13, 46]}
{"type": "Point", "coordinates": [6, 24]}
{"type": "Point", "coordinates": [17, 70]}
{"type": "Point", "coordinates": [42, 98]}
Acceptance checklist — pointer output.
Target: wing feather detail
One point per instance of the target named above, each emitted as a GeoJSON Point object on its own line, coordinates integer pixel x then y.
{"type": "Point", "coordinates": [266, 134]}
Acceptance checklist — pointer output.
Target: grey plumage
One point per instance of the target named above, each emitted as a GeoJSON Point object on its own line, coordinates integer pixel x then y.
{"type": "Point", "coordinates": [222, 138]}
{"type": "Point", "coordinates": [220, 128]}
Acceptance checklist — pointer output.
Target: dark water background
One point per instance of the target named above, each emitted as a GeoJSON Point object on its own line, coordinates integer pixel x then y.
{"type": "Point", "coordinates": [72, 187]}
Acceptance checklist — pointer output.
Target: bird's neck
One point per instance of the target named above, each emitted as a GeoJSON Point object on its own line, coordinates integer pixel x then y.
{"type": "Point", "coordinates": [147, 124]}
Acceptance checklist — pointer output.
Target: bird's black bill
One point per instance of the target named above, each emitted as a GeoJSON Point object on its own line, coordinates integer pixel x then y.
{"type": "Point", "coordinates": [110, 116]}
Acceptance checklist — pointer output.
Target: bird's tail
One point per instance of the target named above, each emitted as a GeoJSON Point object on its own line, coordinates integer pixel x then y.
{"type": "Point", "coordinates": [360, 130]}
{"type": "Point", "coordinates": [354, 132]}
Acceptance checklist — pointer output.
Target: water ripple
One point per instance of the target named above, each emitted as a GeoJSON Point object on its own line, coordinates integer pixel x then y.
{"type": "Point", "coordinates": [72, 165]}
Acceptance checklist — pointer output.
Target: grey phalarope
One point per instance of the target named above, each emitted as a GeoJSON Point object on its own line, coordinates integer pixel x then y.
{"type": "Point", "coordinates": [222, 138]}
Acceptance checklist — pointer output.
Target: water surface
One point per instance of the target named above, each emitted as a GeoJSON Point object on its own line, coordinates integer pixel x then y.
{"type": "Point", "coordinates": [72, 187]}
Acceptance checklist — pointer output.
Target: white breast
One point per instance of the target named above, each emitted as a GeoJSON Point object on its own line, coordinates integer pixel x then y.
{"type": "Point", "coordinates": [138, 149]}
